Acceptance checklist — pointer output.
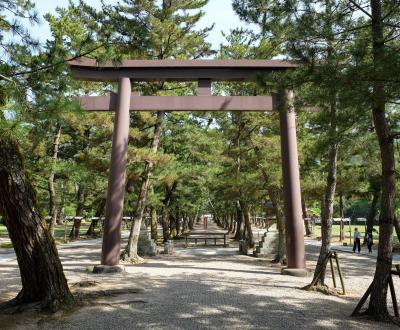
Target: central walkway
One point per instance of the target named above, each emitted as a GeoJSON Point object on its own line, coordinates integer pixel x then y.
{"type": "Point", "coordinates": [199, 288]}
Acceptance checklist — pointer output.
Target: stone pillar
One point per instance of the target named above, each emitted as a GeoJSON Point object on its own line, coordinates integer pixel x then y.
{"type": "Point", "coordinates": [291, 188]}
{"type": "Point", "coordinates": [116, 185]}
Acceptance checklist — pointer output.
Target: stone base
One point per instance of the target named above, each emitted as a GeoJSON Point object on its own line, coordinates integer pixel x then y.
{"type": "Point", "coordinates": [297, 272]}
{"type": "Point", "coordinates": [103, 269]}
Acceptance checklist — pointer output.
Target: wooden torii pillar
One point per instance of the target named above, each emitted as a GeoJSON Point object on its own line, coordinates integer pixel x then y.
{"type": "Point", "coordinates": [204, 72]}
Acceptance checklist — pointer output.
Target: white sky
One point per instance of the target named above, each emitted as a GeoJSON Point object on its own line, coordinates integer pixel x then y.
{"type": "Point", "coordinates": [219, 12]}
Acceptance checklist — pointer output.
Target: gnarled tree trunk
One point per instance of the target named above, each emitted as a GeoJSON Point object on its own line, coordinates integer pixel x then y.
{"type": "Point", "coordinates": [61, 212]}
{"type": "Point", "coordinates": [372, 210]}
{"type": "Point", "coordinates": [52, 190]}
{"type": "Point", "coordinates": [280, 224]}
{"type": "Point", "coordinates": [327, 214]}
{"type": "Point", "coordinates": [378, 300]}
{"type": "Point", "coordinates": [99, 212]}
{"type": "Point", "coordinates": [307, 223]}
{"type": "Point", "coordinates": [80, 197]}
{"type": "Point", "coordinates": [42, 275]}
{"type": "Point", "coordinates": [153, 223]}
{"type": "Point", "coordinates": [239, 223]}
{"type": "Point", "coordinates": [130, 253]}
{"type": "Point", "coordinates": [247, 223]}
{"type": "Point", "coordinates": [169, 192]}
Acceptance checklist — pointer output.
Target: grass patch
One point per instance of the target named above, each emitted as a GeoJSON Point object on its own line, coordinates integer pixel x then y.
{"type": "Point", "coordinates": [6, 246]}
{"type": "Point", "coordinates": [361, 229]}
{"type": "Point", "coordinates": [60, 231]}
{"type": "Point", "coordinates": [3, 231]}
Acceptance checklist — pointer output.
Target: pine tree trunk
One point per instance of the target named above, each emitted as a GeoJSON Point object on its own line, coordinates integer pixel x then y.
{"type": "Point", "coordinates": [307, 223]}
{"type": "Point", "coordinates": [341, 213]}
{"type": "Point", "coordinates": [61, 212]}
{"type": "Point", "coordinates": [153, 224]}
{"type": "Point", "coordinates": [169, 192]}
{"type": "Point", "coordinates": [177, 224]}
{"type": "Point", "coordinates": [280, 224]}
{"type": "Point", "coordinates": [378, 300]}
{"type": "Point", "coordinates": [231, 219]}
{"type": "Point", "coordinates": [396, 227]}
{"type": "Point", "coordinates": [247, 223]}
{"type": "Point", "coordinates": [52, 190]}
{"type": "Point", "coordinates": [372, 210]}
{"type": "Point", "coordinates": [327, 214]}
{"type": "Point", "coordinates": [191, 222]}
{"type": "Point", "coordinates": [165, 223]}
{"type": "Point", "coordinates": [42, 275]}
{"type": "Point", "coordinates": [74, 234]}
{"type": "Point", "coordinates": [185, 224]}
{"type": "Point", "coordinates": [99, 212]}
{"type": "Point", "coordinates": [239, 223]}
{"type": "Point", "coordinates": [130, 252]}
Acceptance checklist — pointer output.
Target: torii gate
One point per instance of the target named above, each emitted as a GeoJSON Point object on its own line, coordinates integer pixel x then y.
{"type": "Point", "coordinates": [204, 72]}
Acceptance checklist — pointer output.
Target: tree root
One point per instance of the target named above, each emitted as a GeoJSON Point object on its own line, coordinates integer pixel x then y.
{"type": "Point", "coordinates": [384, 317]}
{"type": "Point", "coordinates": [47, 305]}
{"type": "Point", "coordinates": [282, 261]}
{"type": "Point", "coordinates": [136, 260]}
{"type": "Point", "coordinates": [323, 289]}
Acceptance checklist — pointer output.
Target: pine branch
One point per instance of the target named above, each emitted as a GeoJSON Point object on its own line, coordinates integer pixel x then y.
{"type": "Point", "coordinates": [46, 67]}
{"type": "Point", "coordinates": [360, 8]}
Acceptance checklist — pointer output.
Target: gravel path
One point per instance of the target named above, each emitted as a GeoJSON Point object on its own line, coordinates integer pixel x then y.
{"type": "Point", "coordinates": [200, 288]}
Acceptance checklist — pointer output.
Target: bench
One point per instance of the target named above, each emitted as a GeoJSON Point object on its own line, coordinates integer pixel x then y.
{"type": "Point", "coordinates": [205, 237]}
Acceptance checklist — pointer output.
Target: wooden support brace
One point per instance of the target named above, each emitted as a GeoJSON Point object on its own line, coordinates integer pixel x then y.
{"type": "Point", "coordinates": [340, 272]}
{"type": "Point", "coordinates": [362, 301]}
{"type": "Point", "coordinates": [333, 272]}
{"type": "Point", "coordinates": [393, 294]}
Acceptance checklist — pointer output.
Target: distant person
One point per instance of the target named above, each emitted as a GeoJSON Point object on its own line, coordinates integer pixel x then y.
{"type": "Point", "coordinates": [357, 241]}
{"type": "Point", "coordinates": [369, 240]}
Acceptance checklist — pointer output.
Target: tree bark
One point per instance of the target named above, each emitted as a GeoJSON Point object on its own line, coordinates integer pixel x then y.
{"type": "Point", "coordinates": [327, 214]}
{"type": "Point", "coordinates": [231, 219]}
{"type": "Point", "coordinates": [52, 190]}
{"type": "Point", "coordinates": [177, 223]}
{"type": "Point", "coordinates": [191, 222]}
{"type": "Point", "coordinates": [247, 223]}
{"type": "Point", "coordinates": [280, 224]}
{"type": "Point", "coordinates": [80, 196]}
{"type": "Point", "coordinates": [42, 275]}
{"type": "Point", "coordinates": [99, 212]}
{"type": "Point", "coordinates": [153, 224]}
{"type": "Point", "coordinates": [61, 212]}
{"type": "Point", "coordinates": [165, 223]}
{"type": "Point", "coordinates": [239, 223]}
{"type": "Point", "coordinates": [378, 300]}
{"type": "Point", "coordinates": [130, 253]}
{"type": "Point", "coordinates": [169, 192]}
{"type": "Point", "coordinates": [372, 210]}
{"type": "Point", "coordinates": [341, 214]}
{"type": "Point", "coordinates": [307, 224]}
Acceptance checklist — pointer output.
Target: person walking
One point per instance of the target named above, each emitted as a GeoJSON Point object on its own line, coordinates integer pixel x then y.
{"type": "Point", "coordinates": [369, 240]}
{"type": "Point", "coordinates": [357, 241]}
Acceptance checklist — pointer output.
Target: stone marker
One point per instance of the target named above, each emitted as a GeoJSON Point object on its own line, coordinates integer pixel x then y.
{"type": "Point", "coordinates": [268, 246]}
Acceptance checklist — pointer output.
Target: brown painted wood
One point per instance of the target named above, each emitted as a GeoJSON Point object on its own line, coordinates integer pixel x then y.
{"type": "Point", "coordinates": [176, 70]}
{"type": "Point", "coordinates": [181, 103]}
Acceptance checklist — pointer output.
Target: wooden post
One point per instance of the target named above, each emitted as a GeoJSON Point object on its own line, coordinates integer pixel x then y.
{"type": "Point", "coordinates": [340, 272]}
{"type": "Point", "coordinates": [116, 185]}
{"type": "Point", "coordinates": [291, 185]}
{"type": "Point", "coordinates": [332, 270]}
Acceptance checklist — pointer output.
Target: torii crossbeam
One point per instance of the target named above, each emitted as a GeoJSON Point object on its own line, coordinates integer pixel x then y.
{"type": "Point", "coordinates": [204, 72]}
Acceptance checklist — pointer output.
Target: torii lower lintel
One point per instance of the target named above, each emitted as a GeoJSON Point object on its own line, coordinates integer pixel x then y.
{"type": "Point", "coordinates": [181, 103]}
